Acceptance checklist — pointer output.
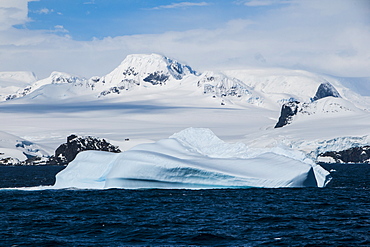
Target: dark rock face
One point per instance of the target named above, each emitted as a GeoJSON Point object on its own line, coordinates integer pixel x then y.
{"type": "Point", "coordinates": [66, 152]}
{"type": "Point", "coordinates": [6, 161]}
{"type": "Point", "coordinates": [125, 85]}
{"type": "Point", "coordinates": [156, 78]}
{"type": "Point", "coordinates": [326, 90]}
{"type": "Point", "coordinates": [351, 155]}
{"type": "Point", "coordinates": [130, 71]}
{"type": "Point", "coordinates": [288, 110]}
{"type": "Point", "coordinates": [24, 92]}
{"type": "Point", "coordinates": [116, 90]}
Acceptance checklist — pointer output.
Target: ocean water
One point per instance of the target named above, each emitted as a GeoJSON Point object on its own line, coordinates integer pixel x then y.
{"type": "Point", "coordinates": [338, 215]}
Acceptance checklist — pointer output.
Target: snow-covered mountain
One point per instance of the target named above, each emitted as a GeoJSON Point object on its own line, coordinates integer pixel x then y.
{"type": "Point", "coordinates": [16, 78]}
{"type": "Point", "coordinates": [150, 97]}
{"type": "Point", "coordinates": [326, 101]}
{"type": "Point", "coordinates": [14, 149]}
{"type": "Point", "coordinates": [227, 88]}
{"type": "Point", "coordinates": [54, 78]}
{"type": "Point", "coordinates": [150, 69]}
{"type": "Point", "coordinates": [12, 81]}
{"type": "Point", "coordinates": [142, 70]}
{"type": "Point", "coordinates": [135, 71]}
{"type": "Point", "coordinates": [268, 88]}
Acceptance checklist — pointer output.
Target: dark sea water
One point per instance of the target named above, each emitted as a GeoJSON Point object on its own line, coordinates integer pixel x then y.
{"type": "Point", "coordinates": [338, 215]}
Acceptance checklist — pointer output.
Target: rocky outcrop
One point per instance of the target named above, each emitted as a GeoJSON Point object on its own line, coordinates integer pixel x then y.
{"type": "Point", "coordinates": [288, 110]}
{"type": "Point", "coordinates": [156, 78]}
{"type": "Point", "coordinates": [292, 108]}
{"type": "Point", "coordinates": [31, 160]}
{"type": "Point", "coordinates": [8, 161]}
{"type": "Point", "coordinates": [354, 155]}
{"type": "Point", "coordinates": [326, 90]}
{"type": "Point", "coordinates": [66, 152]}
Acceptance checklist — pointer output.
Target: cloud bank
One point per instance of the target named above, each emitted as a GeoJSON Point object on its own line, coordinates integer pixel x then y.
{"type": "Point", "coordinates": [322, 36]}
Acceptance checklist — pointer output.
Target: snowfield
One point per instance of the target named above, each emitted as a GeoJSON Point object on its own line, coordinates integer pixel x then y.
{"type": "Point", "coordinates": [147, 98]}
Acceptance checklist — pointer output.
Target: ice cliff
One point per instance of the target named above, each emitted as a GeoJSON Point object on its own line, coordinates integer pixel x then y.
{"type": "Point", "coordinates": [190, 159]}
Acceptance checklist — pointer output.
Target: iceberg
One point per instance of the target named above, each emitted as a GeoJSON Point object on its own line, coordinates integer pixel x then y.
{"type": "Point", "coordinates": [194, 158]}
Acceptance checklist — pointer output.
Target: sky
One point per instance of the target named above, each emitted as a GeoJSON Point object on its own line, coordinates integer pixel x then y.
{"type": "Point", "coordinates": [91, 37]}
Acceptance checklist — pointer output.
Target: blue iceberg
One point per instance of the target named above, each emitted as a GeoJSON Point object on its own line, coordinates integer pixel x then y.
{"type": "Point", "coordinates": [194, 158]}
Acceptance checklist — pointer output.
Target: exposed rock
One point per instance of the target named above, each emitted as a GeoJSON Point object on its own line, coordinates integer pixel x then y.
{"type": "Point", "coordinates": [66, 152]}
{"type": "Point", "coordinates": [8, 161]}
{"type": "Point", "coordinates": [326, 90]}
{"type": "Point", "coordinates": [116, 90]}
{"type": "Point", "coordinates": [288, 110]}
{"type": "Point", "coordinates": [31, 160]}
{"type": "Point", "coordinates": [34, 160]}
{"type": "Point", "coordinates": [130, 71]}
{"type": "Point", "coordinates": [353, 155]}
{"type": "Point", "coordinates": [156, 78]}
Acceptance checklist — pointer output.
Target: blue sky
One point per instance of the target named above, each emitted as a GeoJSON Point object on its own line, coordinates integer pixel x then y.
{"type": "Point", "coordinates": [86, 19]}
{"type": "Point", "coordinates": [92, 37]}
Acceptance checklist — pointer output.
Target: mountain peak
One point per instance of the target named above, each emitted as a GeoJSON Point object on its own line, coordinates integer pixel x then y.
{"type": "Point", "coordinates": [54, 78]}
{"type": "Point", "coordinates": [145, 69]}
{"type": "Point", "coordinates": [325, 90]}
{"type": "Point", "coordinates": [61, 77]}
{"type": "Point", "coordinates": [11, 81]}
{"type": "Point", "coordinates": [152, 61]}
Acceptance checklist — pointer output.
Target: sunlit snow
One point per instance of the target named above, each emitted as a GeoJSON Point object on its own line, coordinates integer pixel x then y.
{"type": "Point", "coordinates": [192, 158]}
{"type": "Point", "coordinates": [149, 97]}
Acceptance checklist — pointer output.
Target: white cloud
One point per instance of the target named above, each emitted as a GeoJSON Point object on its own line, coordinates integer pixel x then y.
{"type": "Point", "coordinates": [324, 36]}
{"type": "Point", "coordinates": [181, 5]}
{"type": "Point", "coordinates": [13, 12]}
{"type": "Point", "coordinates": [44, 11]}
{"type": "Point", "coordinates": [60, 29]}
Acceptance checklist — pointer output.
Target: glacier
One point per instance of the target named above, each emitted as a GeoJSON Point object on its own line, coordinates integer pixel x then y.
{"type": "Point", "coordinates": [148, 97]}
{"type": "Point", "coordinates": [194, 158]}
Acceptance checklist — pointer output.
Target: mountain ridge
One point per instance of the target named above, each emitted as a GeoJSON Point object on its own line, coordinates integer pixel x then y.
{"type": "Point", "coordinates": [148, 97]}
{"type": "Point", "coordinates": [269, 88]}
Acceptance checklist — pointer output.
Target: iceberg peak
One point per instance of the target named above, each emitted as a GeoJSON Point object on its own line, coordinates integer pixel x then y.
{"type": "Point", "coordinates": [205, 142]}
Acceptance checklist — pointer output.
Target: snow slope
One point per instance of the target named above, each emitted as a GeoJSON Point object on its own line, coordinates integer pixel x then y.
{"type": "Point", "coordinates": [149, 97]}
{"type": "Point", "coordinates": [53, 79]}
{"type": "Point", "coordinates": [14, 149]}
{"type": "Point", "coordinates": [283, 85]}
{"type": "Point", "coordinates": [192, 158]}
{"type": "Point", "coordinates": [267, 88]}
{"type": "Point", "coordinates": [148, 69]}
{"type": "Point", "coordinates": [12, 81]}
